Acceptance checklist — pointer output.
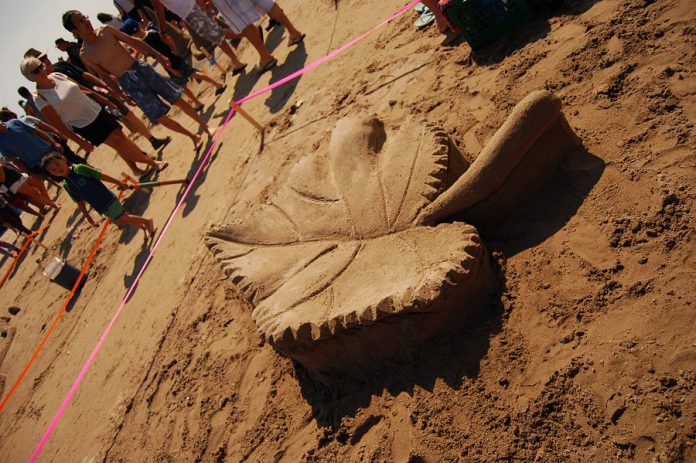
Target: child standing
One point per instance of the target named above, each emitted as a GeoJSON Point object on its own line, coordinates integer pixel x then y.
{"type": "Point", "coordinates": [84, 185]}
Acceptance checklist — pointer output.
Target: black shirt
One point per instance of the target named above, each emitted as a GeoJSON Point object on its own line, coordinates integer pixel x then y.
{"type": "Point", "coordinates": [154, 39]}
{"type": "Point", "coordinates": [11, 175]}
{"type": "Point", "coordinates": [72, 71]}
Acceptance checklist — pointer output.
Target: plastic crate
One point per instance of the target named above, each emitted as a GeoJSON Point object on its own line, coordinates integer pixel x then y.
{"type": "Point", "coordinates": [482, 22]}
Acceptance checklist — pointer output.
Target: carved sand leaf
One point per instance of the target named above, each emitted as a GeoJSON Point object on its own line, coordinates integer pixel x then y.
{"type": "Point", "coordinates": [349, 262]}
{"type": "Point", "coordinates": [338, 245]}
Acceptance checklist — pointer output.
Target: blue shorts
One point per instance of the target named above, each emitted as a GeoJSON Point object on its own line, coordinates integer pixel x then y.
{"type": "Point", "coordinates": [145, 86]}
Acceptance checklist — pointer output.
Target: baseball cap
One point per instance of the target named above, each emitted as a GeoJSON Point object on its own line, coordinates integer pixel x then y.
{"type": "Point", "coordinates": [28, 66]}
{"type": "Point", "coordinates": [129, 26]}
{"type": "Point", "coordinates": [33, 52]}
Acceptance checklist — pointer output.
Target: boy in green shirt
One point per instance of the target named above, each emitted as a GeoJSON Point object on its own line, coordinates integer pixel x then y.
{"type": "Point", "coordinates": [84, 185]}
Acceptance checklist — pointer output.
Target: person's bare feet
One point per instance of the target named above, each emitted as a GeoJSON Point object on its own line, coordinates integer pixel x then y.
{"type": "Point", "coordinates": [150, 225]}
{"type": "Point", "coordinates": [197, 141]}
{"type": "Point", "coordinates": [266, 66]}
{"type": "Point", "coordinates": [162, 165]}
{"type": "Point", "coordinates": [295, 40]}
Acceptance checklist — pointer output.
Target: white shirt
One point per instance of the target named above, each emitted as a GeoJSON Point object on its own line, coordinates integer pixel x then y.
{"type": "Point", "coordinates": [31, 121]}
{"type": "Point", "coordinates": [74, 107]}
{"type": "Point", "coordinates": [127, 5]}
{"type": "Point", "coordinates": [181, 8]}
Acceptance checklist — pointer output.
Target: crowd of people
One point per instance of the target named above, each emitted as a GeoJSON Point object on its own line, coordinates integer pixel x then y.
{"type": "Point", "coordinates": [87, 96]}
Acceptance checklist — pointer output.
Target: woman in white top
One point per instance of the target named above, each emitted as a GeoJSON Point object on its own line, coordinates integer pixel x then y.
{"type": "Point", "coordinates": [67, 107]}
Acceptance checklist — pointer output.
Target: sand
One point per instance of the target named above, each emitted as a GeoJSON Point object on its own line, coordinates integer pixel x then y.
{"type": "Point", "coordinates": [588, 353]}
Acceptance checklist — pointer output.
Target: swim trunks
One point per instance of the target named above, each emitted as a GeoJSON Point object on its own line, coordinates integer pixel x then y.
{"type": "Point", "coordinates": [144, 85]}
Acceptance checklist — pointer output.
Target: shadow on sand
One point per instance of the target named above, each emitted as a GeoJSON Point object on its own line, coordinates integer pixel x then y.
{"type": "Point", "coordinates": [528, 33]}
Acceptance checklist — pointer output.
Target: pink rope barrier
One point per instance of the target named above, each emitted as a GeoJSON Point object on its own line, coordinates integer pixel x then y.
{"type": "Point", "coordinates": [204, 161]}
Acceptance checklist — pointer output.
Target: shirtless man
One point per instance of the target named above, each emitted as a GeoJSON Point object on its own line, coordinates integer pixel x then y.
{"type": "Point", "coordinates": [103, 51]}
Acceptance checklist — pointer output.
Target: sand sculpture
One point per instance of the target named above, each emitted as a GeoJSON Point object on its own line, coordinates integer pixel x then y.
{"type": "Point", "coordinates": [354, 260]}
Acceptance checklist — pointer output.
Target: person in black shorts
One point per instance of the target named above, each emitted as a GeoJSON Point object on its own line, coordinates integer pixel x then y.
{"type": "Point", "coordinates": [109, 90]}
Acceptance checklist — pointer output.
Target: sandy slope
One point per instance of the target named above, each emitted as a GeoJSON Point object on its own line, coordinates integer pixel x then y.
{"type": "Point", "coordinates": [589, 353]}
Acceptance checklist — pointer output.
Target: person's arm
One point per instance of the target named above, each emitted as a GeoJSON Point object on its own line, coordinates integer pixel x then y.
{"type": "Point", "coordinates": [15, 161]}
{"type": "Point", "coordinates": [85, 212]}
{"type": "Point", "coordinates": [106, 78]}
{"type": "Point", "coordinates": [121, 184]}
{"type": "Point", "coordinates": [47, 138]}
{"type": "Point", "coordinates": [29, 110]}
{"type": "Point", "coordinates": [49, 129]}
{"type": "Point", "coordinates": [160, 16]}
{"type": "Point", "coordinates": [63, 130]}
{"type": "Point", "coordinates": [103, 101]}
{"type": "Point", "coordinates": [111, 84]}
{"type": "Point", "coordinates": [162, 24]}
{"type": "Point", "coordinates": [121, 11]}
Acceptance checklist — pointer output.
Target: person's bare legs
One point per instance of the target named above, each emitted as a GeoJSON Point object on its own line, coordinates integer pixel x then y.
{"type": "Point", "coordinates": [146, 225]}
{"type": "Point", "coordinates": [171, 124]}
{"type": "Point", "coordinates": [278, 14]}
{"type": "Point", "coordinates": [37, 183]}
{"type": "Point", "coordinates": [130, 152]}
{"type": "Point", "coordinates": [222, 70]}
{"type": "Point", "coordinates": [30, 210]}
{"type": "Point", "coordinates": [40, 185]}
{"type": "Point", "coordinates": [193, 114]}
{"type": "Point", "coordinates": [227, 49]}
{"type": "Point", "coordinates": [204, 77]}
{"type": "Point", "coordinates": [440, 21]}
{"type": "Point", "coordinates": [197, 104]}
{"type": "Point", "coordinates": [136, 125]}
{"type": "Point", "coordinates": [35, 197]}
{"type": "Point", "coordinates": [251, 33]}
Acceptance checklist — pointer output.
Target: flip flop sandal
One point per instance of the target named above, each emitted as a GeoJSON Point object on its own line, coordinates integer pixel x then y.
{"type": "Point", "coordinates": [271, 64]}
{"type": "Point", "coordinates": [221, 90]}
{"type": "Point", "coordinates": [239, 70]}
{"type": "Point", "coordinates": [420, 8]}
{"type": "Point", "coordinates": [296, 40]}
{"type": "Point", "coordinates": [426, 19]}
